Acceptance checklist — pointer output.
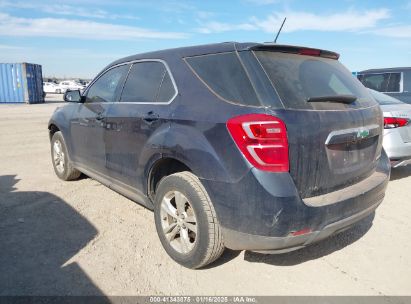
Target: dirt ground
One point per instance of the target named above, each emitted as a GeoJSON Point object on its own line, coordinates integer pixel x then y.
{"type": "Point", "coordinates": [81, 238]}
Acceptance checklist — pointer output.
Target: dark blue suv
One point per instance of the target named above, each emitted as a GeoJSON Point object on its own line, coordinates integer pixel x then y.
{"type": "Point", "coordinates": [262, 147]}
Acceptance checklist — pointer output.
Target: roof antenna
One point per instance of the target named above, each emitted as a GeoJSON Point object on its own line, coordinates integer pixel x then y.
{"type": "Point", "coordinates": [279, 31]}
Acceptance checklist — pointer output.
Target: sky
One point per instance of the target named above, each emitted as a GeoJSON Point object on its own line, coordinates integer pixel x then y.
{"type": "Point", "coordinates": [78, 38]}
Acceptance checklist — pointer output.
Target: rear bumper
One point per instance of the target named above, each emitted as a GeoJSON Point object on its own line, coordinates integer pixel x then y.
{"type": "Point", "coordinates": [262, 211]}
{"type": "Point", "coordinates": [277, 245]}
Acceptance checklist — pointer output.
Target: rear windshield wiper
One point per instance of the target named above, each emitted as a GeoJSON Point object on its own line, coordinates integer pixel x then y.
{"type": "Point", "coordinates": [333, 98]}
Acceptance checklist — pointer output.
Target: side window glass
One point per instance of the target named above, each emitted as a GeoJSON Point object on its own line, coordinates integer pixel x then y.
{"type": "Point", "coordinates": [106, 88]}
{"type": "Point", "coordinates": [225, 76]}
{"type": "Point", "coordinates": [167, 90]}
{"type": "Point", "coordinates": [394, 82]}
{"type": "Point", "coordinates": [373, 81]}
{"type": "Point", "coordinates": [384, 82]}
{"type": "Point", "coordinates": [144, 82]}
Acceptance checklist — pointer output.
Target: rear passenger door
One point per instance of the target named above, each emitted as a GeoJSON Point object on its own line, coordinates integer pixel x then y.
{"type": "Point", "coordinates": [132, 122]}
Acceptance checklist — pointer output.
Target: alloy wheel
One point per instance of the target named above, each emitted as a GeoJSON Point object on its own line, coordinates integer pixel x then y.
{"type": "Point", "coordinates": [179, 222]}
{"type": "Point", "coordinates": [58, 156]}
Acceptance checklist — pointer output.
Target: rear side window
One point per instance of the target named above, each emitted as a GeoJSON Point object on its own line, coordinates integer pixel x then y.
{"type": "Point", "coordinates": [148, 81]}
{"type": "Point", "coordinates": [224, 76]}
{"type": "Point", "coordinates": [382, 82]}
{"type": "Point", "coordinates": [296, 78]}
{"type": "Point", "coordinates": [167, 90]}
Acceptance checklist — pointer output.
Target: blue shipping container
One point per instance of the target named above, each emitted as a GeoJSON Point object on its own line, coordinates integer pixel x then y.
{"type": "Point", "coordinates": [21, 83]}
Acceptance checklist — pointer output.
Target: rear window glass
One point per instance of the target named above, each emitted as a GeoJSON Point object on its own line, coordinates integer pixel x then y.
{"type": "Point", "coordinates": [225, 77]}
{"type": "Point", "coordinates": [384, 99]}
{"type": "Point", "coordinates": [296, 78]}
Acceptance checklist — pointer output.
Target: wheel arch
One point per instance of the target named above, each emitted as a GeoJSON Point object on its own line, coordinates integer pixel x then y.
{"type": "Point", "coordinates": [53, 128]}
{"type": "Point", "coordinates": [161, 168]}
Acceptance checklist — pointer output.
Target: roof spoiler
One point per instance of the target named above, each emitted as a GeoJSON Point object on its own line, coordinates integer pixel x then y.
{"type": "Point", "coordinates": [295, 50]}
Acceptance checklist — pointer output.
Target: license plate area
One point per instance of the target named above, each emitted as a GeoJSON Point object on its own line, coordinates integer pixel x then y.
{"type": "Point", "coordinates": [348, 157]}
{"type": "Point", "coordinates": [352, 149]}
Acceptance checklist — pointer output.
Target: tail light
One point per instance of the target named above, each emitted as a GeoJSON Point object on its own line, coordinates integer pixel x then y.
{"type": "Point", "coordinates": [262, 139]}
{"type": "Point", "coordinates": [395, 122]}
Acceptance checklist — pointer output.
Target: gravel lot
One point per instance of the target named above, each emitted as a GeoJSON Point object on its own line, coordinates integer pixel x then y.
{"type": "Point", "coordinates": [80, 238]}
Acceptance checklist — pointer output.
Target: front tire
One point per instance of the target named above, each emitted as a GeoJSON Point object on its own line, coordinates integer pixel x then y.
{"type": "Point", "coordinates": [59, 156]}
{"type": "Point", "coordinates": [186, 221]}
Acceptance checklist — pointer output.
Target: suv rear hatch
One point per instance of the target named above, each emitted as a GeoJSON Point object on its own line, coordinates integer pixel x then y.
{"type": "Point", "coordinates": [334, 126]}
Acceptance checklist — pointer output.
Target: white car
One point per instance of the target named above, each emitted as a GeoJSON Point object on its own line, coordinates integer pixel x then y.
{"type": "Point", "coordinates": [70, 85]}
{"type": "Point", "coordinates": [51, 87]}
{"type": "Point", "coordinates": [397, 128]}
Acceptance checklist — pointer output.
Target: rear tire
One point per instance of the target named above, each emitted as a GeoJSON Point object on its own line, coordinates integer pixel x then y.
{"type": "Point", "coordinates": [59, 156]}
{"type": "Point", "coordinates": [186, 221]}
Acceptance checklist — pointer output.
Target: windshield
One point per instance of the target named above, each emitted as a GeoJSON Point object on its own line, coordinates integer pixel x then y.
{"type": "Point", "coordinates": [384, 99]}
{"type": "Point", "coordinates": [298, 78]}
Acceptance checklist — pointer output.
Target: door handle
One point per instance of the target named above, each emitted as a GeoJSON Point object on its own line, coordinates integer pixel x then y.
{"type": "Point", "coordinates": [150, 117]}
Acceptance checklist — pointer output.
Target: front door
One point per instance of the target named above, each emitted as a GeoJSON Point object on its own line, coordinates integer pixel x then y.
{"type": "Point", "coordinates": [88, 125]}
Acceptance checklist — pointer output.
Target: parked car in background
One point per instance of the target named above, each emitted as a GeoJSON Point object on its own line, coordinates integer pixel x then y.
{"type": "Point", "coordinates": [70, 85]}
{"type": "Point", "coordinates": [397, 128]}
{"type": "Point", "coordinates": [51, 87]}
{"type": "Point", "coordinates": [84, 82]}
{"type": "Point", "coordinates": [262, 147]}
{"type": "Point", "coordinates": [395, 82]}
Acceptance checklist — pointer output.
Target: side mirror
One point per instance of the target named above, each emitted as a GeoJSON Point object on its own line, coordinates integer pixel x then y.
{"type": "Point", "coordinates": [73, 96]}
